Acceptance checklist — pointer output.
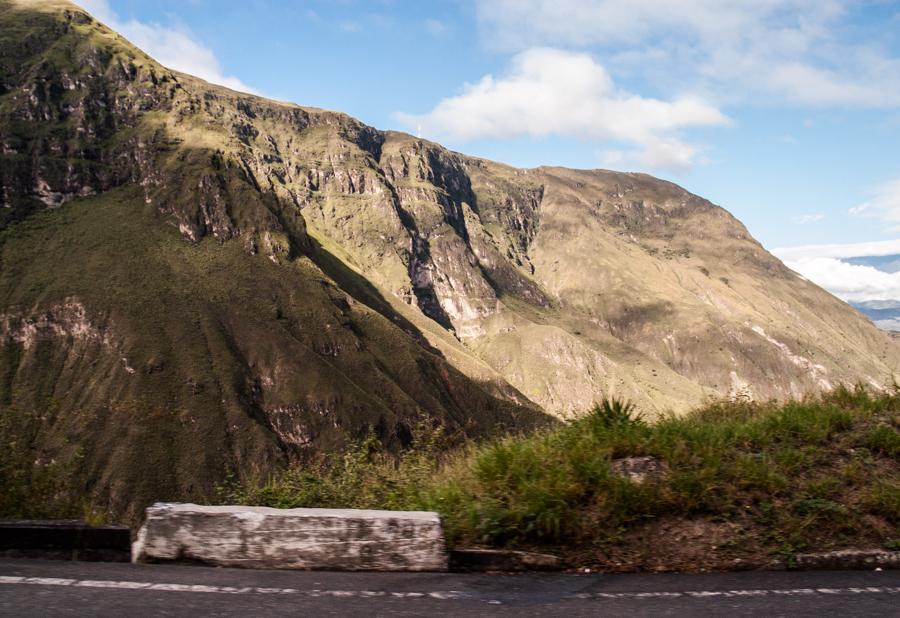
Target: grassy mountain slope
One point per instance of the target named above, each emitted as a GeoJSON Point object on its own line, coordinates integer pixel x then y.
{"type": "Point", "coordinates": [164, 317]}
{"type": "Point", "coordinates": [194, 279]}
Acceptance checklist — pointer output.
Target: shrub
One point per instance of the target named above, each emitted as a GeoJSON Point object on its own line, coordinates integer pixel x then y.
{"type": "Point", "coordinates": [613, 412]}
{"type": "Point", "coordinates": [883, 439]}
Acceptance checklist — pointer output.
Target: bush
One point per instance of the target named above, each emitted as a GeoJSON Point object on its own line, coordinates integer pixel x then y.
{"type": "Point", "coordinates": [614, 413]}
{"type": "Point", "coordinates": [883, 439]}
{"type": "Point", "coordinates": [33, 488]}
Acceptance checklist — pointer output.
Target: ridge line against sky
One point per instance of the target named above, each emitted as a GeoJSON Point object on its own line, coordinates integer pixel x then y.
{"type": "Point", "coordinates": [786, 112]}
{"type": "Point", "coordinates": [173, 45]}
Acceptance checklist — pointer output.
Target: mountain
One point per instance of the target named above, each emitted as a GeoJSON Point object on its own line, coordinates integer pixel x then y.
{"type": "Point", "coordinates": [884, 313]}
{"type": "Point", "coordinates": [195, 280]}
{"type": "Point", "coordinates": [884, 263]}
{"type": "Point", "coordinates": [164, 314]}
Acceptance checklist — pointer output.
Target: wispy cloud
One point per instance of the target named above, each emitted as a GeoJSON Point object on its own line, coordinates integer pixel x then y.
{"type": "Point", "coordinates": [883, 204]}
{"type": "Point", "coordinates": [850, 250]}
{"type": "Point", "coordinates": [550, 92]}
{"type": "Point", "coordinates": [656, 153]}
{"type": "Point", "coordinates": [349, 27]}
{"type": "Point", "coordinates": [435, 27]}
{"type": "Point", "coordinates": [804, 219]}
{"type": "Point", "coordinates": [174, 46]}
{"type": "Point", "coordinates": [798, 52]}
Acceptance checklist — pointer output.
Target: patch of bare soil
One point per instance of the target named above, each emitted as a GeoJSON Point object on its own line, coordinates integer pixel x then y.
{"type": "Point", "coordinates": [685, 545]}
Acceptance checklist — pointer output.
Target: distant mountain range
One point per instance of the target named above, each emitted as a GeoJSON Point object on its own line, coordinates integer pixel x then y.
{"type": "Point", "coordinates": [196, 282]}
{"type": "Point", "coordinates": [885, 313]}
{"type": "Point", "coordinates": [884, 263]}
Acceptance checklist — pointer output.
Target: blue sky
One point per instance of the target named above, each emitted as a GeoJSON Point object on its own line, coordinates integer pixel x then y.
{"type": "Point", "coordinates": [785, 112]}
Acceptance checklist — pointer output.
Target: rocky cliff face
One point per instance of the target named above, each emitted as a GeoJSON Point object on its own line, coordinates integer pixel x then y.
{"type": "Point", "coordinates": [573, 285]}
{"type": "Point", "coordinates": [204, 279]}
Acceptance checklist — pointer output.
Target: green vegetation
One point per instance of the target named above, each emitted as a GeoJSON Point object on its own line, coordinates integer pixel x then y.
{"type": "Point", "coordinates": [169, 318]}
{"type": "Point", "coordinates": [814, 474]}
{"type": "Point", "coordinates": [145, 379]}
{"type": "Point", "coordinates": [219, 293]}
{"type": "Point", "coordinates": [31, 489]}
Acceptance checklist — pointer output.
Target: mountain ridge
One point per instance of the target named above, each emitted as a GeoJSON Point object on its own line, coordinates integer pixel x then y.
{"type": "Point", "coordinates": [211, 281]}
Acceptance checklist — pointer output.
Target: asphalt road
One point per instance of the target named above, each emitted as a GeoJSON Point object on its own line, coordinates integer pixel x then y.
{"type": "Point", "coordinates": [58, 588]}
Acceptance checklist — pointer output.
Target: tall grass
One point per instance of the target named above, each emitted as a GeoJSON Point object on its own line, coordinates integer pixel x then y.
{"type": "Point", "coordinates": [808, 473]}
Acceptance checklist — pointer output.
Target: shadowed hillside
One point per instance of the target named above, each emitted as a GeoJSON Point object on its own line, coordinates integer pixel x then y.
{"type": "Point", "coordinates": [164, 315]}
{"type": "Point", "coordinates": [194, 280]}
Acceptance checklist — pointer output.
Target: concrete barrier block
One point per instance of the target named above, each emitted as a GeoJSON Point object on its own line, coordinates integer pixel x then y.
{"type": "Point", "coordinates": [267, 538]}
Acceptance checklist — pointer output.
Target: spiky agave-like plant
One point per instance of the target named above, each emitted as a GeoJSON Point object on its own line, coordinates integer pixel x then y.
{"type": "Point", "coordinates": [615, 412]}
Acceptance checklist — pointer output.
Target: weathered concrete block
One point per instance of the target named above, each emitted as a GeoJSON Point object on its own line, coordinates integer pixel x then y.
{"type": "Point", "coordinates": [266, 538]}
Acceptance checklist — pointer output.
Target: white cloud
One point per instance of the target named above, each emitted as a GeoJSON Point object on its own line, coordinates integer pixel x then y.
{"type": "Point", "coordinates": [586, 22]}
{"type": "Point", "coordinates": [796, 51]}
{"type": "Point", "coordinates": [804, 219]}
{"type": "Point", "coordinates": [172, 46]}
{"type": "Point", "coordinates": [884, 204]}
{"type": "Point", "coordinates": [838, 251]}
{"type": "Point", "coordinates": [553, 92]}
{"type": "Point", "coordinates": [852, 282]}
{"type": "Point", "coordinates": [823, 265]}
{"type": "Point", "coordinates": [657, 153]}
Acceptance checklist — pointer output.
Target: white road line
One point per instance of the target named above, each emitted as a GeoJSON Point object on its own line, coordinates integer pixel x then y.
{"type": "Point", "coordinates": [737, 593]}
{"type": "Point", "coordinates": [438, 594]}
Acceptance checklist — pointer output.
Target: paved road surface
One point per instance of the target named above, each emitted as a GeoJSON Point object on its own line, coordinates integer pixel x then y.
{"type": "Point", "coordinates": [51, 588]}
